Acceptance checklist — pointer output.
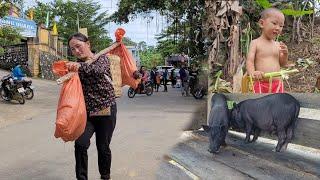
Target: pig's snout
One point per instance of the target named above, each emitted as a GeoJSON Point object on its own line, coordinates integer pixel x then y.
{"type": "Point", "coordinates": [213, 151]}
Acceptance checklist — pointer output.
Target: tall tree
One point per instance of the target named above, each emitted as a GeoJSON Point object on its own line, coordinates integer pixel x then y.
{"type": "Point", "coordinates": [4, 8]}
{"type": "Point", "coordinates": [183, 16]}
{"type": "Point", "coordinates": [128, 42]}
{"type": "Point", "coordinates": [8, 35]}
{"type": "Point", "coordinates": [74, 14]}
{"type": "Point", "coordinates": [151, 57]}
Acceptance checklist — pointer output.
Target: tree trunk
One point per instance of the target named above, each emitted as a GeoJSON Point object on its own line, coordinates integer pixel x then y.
{"type": "Point", "coordinates": [312, 22]}
{"type": "Point", "coordinates": [298, 30]}
{"type": "Point", "coordinates": [293, 29]}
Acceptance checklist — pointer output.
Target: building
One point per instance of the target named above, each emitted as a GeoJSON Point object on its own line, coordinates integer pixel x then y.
{"type": "Point", "coordinates": [135, 53]}
{"type": "Point", "coordinates": [177, 60]}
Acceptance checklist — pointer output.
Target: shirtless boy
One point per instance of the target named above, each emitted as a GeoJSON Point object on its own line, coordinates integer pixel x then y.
{"type": "Point", "coordinates": [267, 55]}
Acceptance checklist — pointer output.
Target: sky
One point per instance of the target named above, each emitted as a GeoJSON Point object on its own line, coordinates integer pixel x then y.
{"type": "Point", "coordinates": [137, 30]}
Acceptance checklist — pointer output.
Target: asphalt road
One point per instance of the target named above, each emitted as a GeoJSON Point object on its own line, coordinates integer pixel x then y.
{"type": "Point", "coordinates": [147, 127]}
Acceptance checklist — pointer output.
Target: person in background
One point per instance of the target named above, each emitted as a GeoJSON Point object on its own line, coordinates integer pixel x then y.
{"type": "Point", "coordinates": [184, 79]}
{"type": "Point", "coordinates": [158, 81]}
{"type": "Point", "coordinates": [153, 77]}
{"type": "Point", "coordinates": [173, 78]}
{"type": "Point", "coordinates": [17, 73]}
{"type": "Point", "coordinates": [165, 80]}
{"type": "Point", "coordinates": [144, 77]}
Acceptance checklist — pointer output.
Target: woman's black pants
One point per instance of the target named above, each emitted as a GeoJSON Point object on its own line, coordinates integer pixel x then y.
{"type": "Point", "coordinates": [103, 126]}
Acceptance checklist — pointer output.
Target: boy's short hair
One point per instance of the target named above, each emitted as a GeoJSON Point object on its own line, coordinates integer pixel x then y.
{"type": "Point", "coordinates": [267, 12]}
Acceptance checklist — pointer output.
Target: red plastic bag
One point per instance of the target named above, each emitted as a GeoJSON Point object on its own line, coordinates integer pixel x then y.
{"type": "Point", "coordinates": [128, 64]}
{"type": "Point", "coordinates": [71, 113]}
{"type": "Point", "coordinates": [60, 68]}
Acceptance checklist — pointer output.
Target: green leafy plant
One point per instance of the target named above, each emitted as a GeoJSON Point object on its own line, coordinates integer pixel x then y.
{"type": "Point", "coordinates": [296, 13]}
{"type": "Point", "coordinates": [9, 36]}
{"type": "Point", "coordinates": [1, 51]}
{"type": "Point", "coordinates": [265, 4]}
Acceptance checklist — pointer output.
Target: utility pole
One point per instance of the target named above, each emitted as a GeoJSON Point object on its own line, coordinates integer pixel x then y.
{"type": "Point", "coordinates": [78, 23]}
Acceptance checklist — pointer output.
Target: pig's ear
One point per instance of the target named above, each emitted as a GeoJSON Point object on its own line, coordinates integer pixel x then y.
{"type": "Point", "coordinates": [206, 128]}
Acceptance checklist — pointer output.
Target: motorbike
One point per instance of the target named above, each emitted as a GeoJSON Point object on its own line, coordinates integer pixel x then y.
{"type": "Point", "coordinates": [18, 74]}
{"type": "Point", "coordinates": [12, 89]}
{"type": "Point", "coordinates": [27, 85]}
{"type": "Point", "coordinates": [148, 90]}
{"type": "Point", "coordinates": [196, 90]}
{"type": "Point", "coordinates": [199, 92]}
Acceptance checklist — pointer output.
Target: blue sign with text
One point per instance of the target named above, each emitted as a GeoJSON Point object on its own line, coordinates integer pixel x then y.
{"type": "Point", "coordinates": [27, 28]}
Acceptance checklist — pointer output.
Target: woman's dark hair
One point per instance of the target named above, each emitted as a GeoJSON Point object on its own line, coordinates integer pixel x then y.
{"type": "Point", "coordinates": [78, 36]}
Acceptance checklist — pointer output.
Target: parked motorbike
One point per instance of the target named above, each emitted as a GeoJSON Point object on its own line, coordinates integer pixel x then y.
{"type": "Point", "coordinates": [12, 89]}
{"type": "Point", "coordinates": [27, 85]}
{"type": "Point", "coordinates": [18, 74]}
{"type": "Point", "coordinates": [148, 90]}
{"type": "Point", "coordinates": [196, 90]}
{"type": "Point", "coordinates": [199, 92]}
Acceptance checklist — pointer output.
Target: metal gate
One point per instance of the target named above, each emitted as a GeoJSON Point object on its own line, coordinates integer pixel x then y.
{"type": "Point", "coordinates": [14, 55]}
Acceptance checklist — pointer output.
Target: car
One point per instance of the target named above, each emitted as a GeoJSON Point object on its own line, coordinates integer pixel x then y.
{"type": "Point", "coordinates": [162, 68]}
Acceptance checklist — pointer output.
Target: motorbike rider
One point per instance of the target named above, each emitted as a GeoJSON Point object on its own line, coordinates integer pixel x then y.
{"type": "Point", "coordinates": [17, 73]}
{"type": "Point", "coordinates": [153, 77]}
{"type": "Point", "coordinates": [144, 78]}
{"type": "Point", "coordinates": [193, 75]}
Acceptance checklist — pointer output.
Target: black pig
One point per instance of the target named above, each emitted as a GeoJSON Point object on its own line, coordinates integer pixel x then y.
{"type": "Point", "coordinates": [218, 122]}
{"type": "Point", "coordinates": [272, 113]}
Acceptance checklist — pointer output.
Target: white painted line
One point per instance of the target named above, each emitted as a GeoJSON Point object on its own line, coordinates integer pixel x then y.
{"type": "Point", "coordinates": [190, 174]}
{"type": "Point", "coordinates": [311, 152]}
{"type": "Point", "coordinates": [310, 113]}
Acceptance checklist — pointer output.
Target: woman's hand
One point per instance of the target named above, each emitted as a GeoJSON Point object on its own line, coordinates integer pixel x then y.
{"type": "Point", "coordinates": [73, 66]}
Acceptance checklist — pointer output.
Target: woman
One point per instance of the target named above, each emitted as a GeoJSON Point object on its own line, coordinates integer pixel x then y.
{"type": "Point", "coordinates": [144, 77]}
{"type": "Point", "coordinates": [100, 104]}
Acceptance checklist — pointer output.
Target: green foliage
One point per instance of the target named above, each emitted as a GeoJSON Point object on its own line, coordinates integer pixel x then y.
{"type": "Point", "coordinates": [151, 57]}
{"type": "Point", "coordinates": [90, 16]}
{"type": "Point", "coordinates": [9, 36]}
{"type": "Point", "coordinates": [4, 8]}
{"type": "Point", "coordinates": [129, 9]}
{"type": "Point", "coordinates": [167, 47]}
{"type": "Point", "coordinates": [184, 18]}
{"type": "Point", "coordinates": [265, 4]}
{"type": "Point", "coordinates": [1, 51]}
{"type": "Point", "coordinates": [128, 42]}
{"type": "Point", "coordinates": [289, 12]}
{"type": "Point", "coordinates": [246, 38]}
{"type": "Point", "coordinates": [296, 13]}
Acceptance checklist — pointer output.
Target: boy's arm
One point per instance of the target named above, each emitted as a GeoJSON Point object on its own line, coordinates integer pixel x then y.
{"type": "Point", "coordinates": [250, 57]}
{"type": "Point", "coordinates": [283, 54]}
{"type": "Point", "coordinates": [250, 61]}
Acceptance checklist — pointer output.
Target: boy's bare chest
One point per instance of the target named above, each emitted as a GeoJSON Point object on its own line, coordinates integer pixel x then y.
{"type": "Point", "coordinates": [267, 51]}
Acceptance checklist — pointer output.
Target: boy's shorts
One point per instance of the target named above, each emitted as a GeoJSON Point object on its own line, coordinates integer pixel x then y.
{"type": "Point", "coordinates": [264, 86]}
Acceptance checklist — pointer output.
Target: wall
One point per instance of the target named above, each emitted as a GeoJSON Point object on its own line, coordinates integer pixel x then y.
{"type": "Point", "coordinates": [43, 50]}
{"type": "Point", "coordinates": [14, 55]}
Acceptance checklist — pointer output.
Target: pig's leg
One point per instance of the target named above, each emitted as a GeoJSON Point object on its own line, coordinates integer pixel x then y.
{"type": "Point", "coordinates": [281, 139]}
{"type": "Point", "coordinates": [256, 134]}
{"type": "Point", "coordinates": [248, 132]}
{"type": "Point", "coordinates": [289, 137]}
{"type": "Point", "coordinates": [224, 143]}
